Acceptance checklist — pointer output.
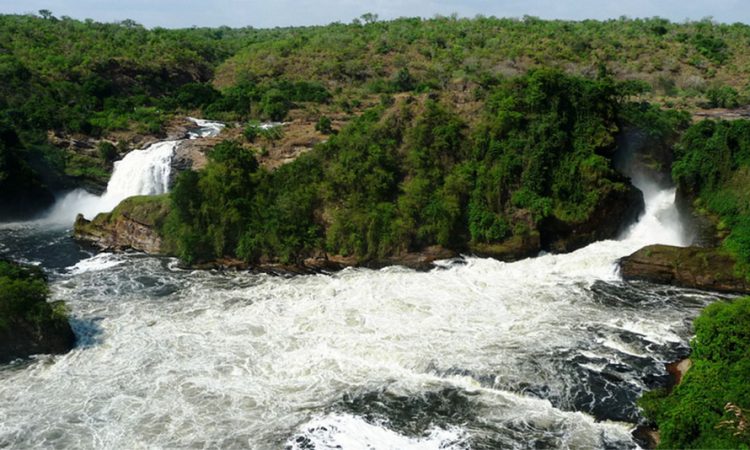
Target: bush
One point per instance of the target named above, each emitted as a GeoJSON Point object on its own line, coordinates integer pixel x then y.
{"type": "Point", "coordinates": [196, 95]}
{"type": "Point", "coordinates": [23, 296]}
{"type": "Point", "coordinates": [107, 151]}
{"type": "Point", "coordinates": [251, 131]}
{"type": "Point", "coordinates": [712, 165]}
{"type": "Point", "coordinates": [707, 408]}
{"type": "Point", "coordinates": [275, 105]}
{"type": "Point", "coordinates": [723, 97]}
{"type": "Point", "coordinates": [722, 332]}
{"type": "Point", "coordinates": [324, 125]}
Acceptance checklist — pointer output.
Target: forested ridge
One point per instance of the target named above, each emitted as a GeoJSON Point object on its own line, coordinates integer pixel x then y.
{"type": "Point", "coordinates": [488, 136]}
{"type": "Point", "coordinates": [106, 80]}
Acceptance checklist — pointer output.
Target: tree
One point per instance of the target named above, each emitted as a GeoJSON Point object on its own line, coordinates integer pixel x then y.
{"type": "Point", "coordinates": [369, 17]}
{"type": "Point", "coordinates": [324, 125]}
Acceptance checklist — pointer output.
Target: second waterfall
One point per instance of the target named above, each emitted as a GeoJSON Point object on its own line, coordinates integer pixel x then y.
{"type": "Point", "coordinates": [140, 172]}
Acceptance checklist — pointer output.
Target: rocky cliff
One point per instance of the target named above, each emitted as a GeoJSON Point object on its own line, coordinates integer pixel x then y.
{"type": "Point", "coordinates": [692, 267]}
{"type": "Point", "coordinates": [134, 224]}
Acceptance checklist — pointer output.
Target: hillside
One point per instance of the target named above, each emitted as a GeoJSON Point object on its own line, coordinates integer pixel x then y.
{"type": "Point", "coordinates": [78, 93]}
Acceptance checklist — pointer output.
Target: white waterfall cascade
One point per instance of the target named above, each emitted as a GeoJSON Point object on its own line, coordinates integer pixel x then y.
{"type": "Point", "coordinates": [546, 352]}
{"type": "Point", "coordinates": [140, 172]}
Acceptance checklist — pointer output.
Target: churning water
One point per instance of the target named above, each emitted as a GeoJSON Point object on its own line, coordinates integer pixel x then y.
{"type": "Point", "coordinates": [548, 352]}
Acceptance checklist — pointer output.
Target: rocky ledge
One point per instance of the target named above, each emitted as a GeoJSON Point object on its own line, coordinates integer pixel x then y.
{"type": "Point", "coordinates": [693, 267]}
{"type": "Point", "coordinates": [134, 224]}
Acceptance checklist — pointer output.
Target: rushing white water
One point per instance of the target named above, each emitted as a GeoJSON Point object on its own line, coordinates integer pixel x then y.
{"type": "Point", "coordinates": [548, 352]}
{"type": "Point", "coordinates": [140, 172]}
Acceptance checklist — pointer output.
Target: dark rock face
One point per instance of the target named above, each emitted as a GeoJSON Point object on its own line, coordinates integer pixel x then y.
{"type": "Point", "coordinates": [24, 205]}
{"type": "Point", "coordinates": [617, 209]}
{"type": "Point", "coordinates": [121, 233]}
{"type": "Point", "coordinates": [22, 339]}
{"type": "Point", "coordinates": [190, 154]}
{"type": "Point", "coordinates": [641, 157]}
{"type": "Point", "coordinates": [692, 267]}
{"type": "Point", "coordinates": [700, 229]}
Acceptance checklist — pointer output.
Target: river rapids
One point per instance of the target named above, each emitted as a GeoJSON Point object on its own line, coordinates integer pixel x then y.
{"type": "Point", "coordinates": [548, 352]}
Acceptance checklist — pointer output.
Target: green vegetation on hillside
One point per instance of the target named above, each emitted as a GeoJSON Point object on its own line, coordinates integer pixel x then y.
{"type": "Point", "coordinates": [712, 168]}
{"type": "Point", "coordinates": [107, 80]}
{"type": "Point", "coordinates": [680, 61]}
{"type": "Point", "coordinates": [414, 174]}
{"type": "Point", "coordinates": [711, 407]}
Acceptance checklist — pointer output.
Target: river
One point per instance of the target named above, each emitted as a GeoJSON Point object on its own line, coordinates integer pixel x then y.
{"type": "Point", "coordinates": [548, 352]}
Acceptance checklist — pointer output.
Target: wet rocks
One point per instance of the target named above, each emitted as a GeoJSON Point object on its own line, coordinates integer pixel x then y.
{"type": "Point", "coordinates": [418, 260]}
{"type": "Point", "coordinates": [24, 338]}
{"type": "Point", "coordinates": [693, 267]}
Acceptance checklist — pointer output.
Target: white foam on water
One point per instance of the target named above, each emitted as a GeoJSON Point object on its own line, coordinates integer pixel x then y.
{"type": "Point", "coordinates": [174, 358]}
{"type": "Point", "coordinates": [345, 431]}
{"type": "Point", "coordinates": [101, 261]}
{"type": "Point", "coordinates": [207, 128]}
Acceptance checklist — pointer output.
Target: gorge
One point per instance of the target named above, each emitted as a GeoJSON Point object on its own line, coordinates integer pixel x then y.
{"type": "Point", "coordinates": [549, 352]}
{"type": "Point", "coordinates": [442, 233]}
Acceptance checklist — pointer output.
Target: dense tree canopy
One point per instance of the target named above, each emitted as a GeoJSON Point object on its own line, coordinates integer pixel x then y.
{"type": "Point", "coordinates": [412, 174]}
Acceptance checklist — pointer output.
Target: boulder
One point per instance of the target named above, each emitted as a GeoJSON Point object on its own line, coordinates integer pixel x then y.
{"type": "Point", "coordinates": [709, 269]}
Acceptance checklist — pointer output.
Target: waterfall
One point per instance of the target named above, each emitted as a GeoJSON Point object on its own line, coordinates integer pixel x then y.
{"type": "Point", "coordinates": [546, 352]}
{"type": "Point", "coordinates": [140, 172]}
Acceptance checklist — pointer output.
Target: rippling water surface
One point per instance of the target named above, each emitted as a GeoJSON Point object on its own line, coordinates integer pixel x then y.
{"type": "Point", "coordinates": [549, 352]}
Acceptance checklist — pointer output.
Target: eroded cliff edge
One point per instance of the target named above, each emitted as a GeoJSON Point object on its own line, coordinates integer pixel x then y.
{"type": "Point", "coordinates": [709, 269]}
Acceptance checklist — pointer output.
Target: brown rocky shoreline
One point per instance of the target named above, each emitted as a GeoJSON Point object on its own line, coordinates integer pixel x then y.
{"type": "Point", "coordinates": [710, 269]}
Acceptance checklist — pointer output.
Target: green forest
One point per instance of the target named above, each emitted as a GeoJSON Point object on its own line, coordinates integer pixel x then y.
{"type": "Point", "coordinates": [491, 136]}
{"type": "Point", "coordinates": [113, 80]}
{"type": "Point", "coordinates": [413, 174]}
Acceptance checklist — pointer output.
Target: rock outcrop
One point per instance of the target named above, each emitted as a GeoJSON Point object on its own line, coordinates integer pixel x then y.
{"type": "Point", "coordinates": [23, 338]}
{"type": "Point", "coordinates": [134, 224]}
{"type": "Point", "coordinates": [617, 209]}
{"type": "Point", "coordinates": [513, 249]}
{"type": "Point", "coordinates": [693, 267]}
{"type": "Point", "coordinates": [190, 154]}
{"type": "Point", "coordinates": [418, 260]}
{"type": "Point", "coordinates": [29, 325]}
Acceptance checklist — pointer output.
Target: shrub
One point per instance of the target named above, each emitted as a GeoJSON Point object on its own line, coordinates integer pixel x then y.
{"type": "Point", "coordinates": [107, 151]}
{"type": "Point", "coordinates": [324, 125]}
{"type": "Point", "coordinates": [723, 97]}
{"type": "Point", "coordinates": [23, 296]}
{"type": "Point", "coordinates": [707, 409]}
{"type": "Point", "coordinates": [275, 105]}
